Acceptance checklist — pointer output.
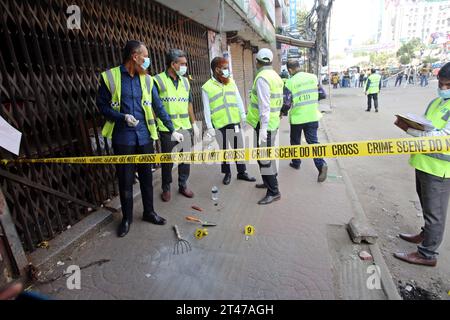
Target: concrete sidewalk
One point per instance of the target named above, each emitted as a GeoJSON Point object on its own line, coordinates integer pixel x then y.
{"type": "Point", "coordinates": [300, 250]}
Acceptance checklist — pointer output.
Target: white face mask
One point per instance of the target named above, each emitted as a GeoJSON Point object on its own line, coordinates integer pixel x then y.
{"type": "Point", "coordinates": [226, 73]}
{"type": "Point", "coordinates": [182, 71]}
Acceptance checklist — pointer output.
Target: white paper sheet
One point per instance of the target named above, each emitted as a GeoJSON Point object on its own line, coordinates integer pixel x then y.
{"type": "Point", "coordinates": [421, 120]}
{"type": "Point", "coordinates": [10, 137]}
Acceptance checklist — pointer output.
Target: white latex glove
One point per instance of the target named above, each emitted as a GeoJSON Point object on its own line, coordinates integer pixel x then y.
{"type": "Point", "coordinates": [131, 121]}
{"type": "Point", "coordinates": [211, 132]}
{"type": "Point", "coordinates": [262, 137]}
{"type": "Point", "coordinates": [196, 131]}
{"type": "Point", "coordinates": [178, 137]}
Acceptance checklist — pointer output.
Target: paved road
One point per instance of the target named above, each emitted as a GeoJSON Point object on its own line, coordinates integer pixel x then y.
{"type": "Point", "coordinates": [386, 185]}
{"type": "Point", "coordinates": [300, 249]}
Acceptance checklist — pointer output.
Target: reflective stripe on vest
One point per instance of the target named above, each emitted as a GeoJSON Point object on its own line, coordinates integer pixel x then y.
{"type": "Point", "coordinates": [276, 85]}
{"type": "Point", "coordinates": [223, 103]}
{"type": "Point", "coordinates": [437, 164]}
{"type": "Point", "coordinates": [175, 101]}
{"type": "Point", "coordinates": [113, 80]}
{"type": "Point", "coordinates": [305, 98]}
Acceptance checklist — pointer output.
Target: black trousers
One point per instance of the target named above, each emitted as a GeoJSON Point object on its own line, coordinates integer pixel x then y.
{"type": "Point", "coordinates": [227, 137]}
{"type": "Point", "coordinates": [310, 129]}
{"type": "Point", "coordinates": [268, 168]}
{"type": "Point", "coordinates": [126, 175]}
{"type": "Point", "coordinates": [373, 96]}
{"type": "Point", "coordinates": [184, 169]}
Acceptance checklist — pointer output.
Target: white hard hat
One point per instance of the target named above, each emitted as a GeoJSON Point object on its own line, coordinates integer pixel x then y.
{"type": "Point", "coordinates": [265, 55]}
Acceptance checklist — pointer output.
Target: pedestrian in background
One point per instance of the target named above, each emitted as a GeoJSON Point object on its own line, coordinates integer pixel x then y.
{"type": "Point", "coordinates": [399, 78]}
{"type": "Point", "coordinates": [373, 87]}
{"type": "Point", "coordinates": [424, 72]}
{"type": "Point", "coordinates": [356, 76]}
{"type": "Point", "coordinates": [362, 79]}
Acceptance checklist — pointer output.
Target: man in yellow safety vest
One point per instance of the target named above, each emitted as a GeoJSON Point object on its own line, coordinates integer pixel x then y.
{"type": "Point", "coordinates": [128, 99]}
{"type": "Point", "coordinates": [175, 93]}
{"type": "Point", "coordinates": [373, 88]}
{"type": "Point", "coordinates": [224, 111]}
{"type": "Point", "coordinates": [302, 93]}
{"type": "Point", "coordinates": [264, 116]}
{"type": "Point", "coordinates": [432, 179]}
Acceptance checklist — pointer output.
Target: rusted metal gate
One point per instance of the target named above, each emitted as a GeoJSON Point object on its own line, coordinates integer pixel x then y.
{"type": "Point", "coordinates": [48, 84]}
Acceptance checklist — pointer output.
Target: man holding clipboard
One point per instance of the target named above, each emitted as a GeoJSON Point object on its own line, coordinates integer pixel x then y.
{"type": "Point", "coordinates": [432, 175]}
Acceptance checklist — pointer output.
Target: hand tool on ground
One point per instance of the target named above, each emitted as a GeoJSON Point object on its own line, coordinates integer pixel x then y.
{"type": "Point", "coordinates": [197, 208]}
{"type": "Point", "coordinates": [204, 223]}
{"type": "Point", "coordinates": [181, 244]}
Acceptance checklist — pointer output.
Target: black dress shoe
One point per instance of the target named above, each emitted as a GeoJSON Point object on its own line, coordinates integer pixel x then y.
{"type": "Point", "coordinates": [294, 166]}
{"type": "Point", "coordinates": [154, 218]}
{"type": "Point", "coordinates": [323, 173]}
{"type": "Point", "coordinates": [227, 179]}
{"type": "Point", "coordinates": [245, 177]}
{"type": "Point", "coordinates": [261, 186]}
{"type": "Point", "coordinates": [269, 199]}
{"type": "Point", "coordinates": [124, 228]}
{"type": "Point", "coordinates": [367, 110]}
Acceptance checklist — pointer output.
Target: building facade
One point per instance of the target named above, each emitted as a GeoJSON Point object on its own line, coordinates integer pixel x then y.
{"type": "Point", "coordinates": [51, 56]}
{"type": "Point", "coordinates": [403, 20]}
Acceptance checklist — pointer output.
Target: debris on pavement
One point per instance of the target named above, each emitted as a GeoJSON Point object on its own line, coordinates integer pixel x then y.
{"type": "Point", "coordinates": [95, 263]}
{"type": "Point", "coordinates": [60, 263]}
{"type": "Point", "coordinates": [364, 255]}
{"type": "Point", "coordinates": [32, 272]}
{"type": "Point", "coordinates": [360, 231]}
{"type": "Point", "coordinates": [411, 291]}
{"type": "Point", "coordinates": [105, 234]}
{"type": "Point", "coordinates": [44, 245]}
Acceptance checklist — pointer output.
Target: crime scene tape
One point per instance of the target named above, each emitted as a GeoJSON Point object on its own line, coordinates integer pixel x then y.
{"type": "Point", "coordinates": [386, 147]}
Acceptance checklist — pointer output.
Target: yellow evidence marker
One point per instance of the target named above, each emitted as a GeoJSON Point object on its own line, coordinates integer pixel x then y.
{"type": "Point", "coordinates": [249, 230]}
{"type": "Point", "coordinates": [200, 233]}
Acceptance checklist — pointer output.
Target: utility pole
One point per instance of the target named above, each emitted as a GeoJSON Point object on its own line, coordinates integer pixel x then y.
{"type": "Point", "coordinates": [319, 54]}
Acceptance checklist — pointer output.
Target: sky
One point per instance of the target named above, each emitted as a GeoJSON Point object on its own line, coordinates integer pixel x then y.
{"type": "Point", "coordinates": [351, 19]}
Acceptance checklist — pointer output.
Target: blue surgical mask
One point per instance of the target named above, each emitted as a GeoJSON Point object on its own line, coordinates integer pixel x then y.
{"type": "Point", "coordinates": [226, 73]}
{"type": "Point", "coordinates": [146, 64]}
{"type": "Point", "coordinates": [444, 94]}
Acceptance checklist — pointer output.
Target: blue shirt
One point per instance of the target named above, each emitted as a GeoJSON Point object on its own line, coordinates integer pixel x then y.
{"type": "Point", "coordinates": [130, 103]}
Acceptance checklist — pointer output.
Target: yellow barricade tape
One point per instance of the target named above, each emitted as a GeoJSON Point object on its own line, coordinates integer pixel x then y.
{"type": "Point", "coordinates": [329, 150]}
